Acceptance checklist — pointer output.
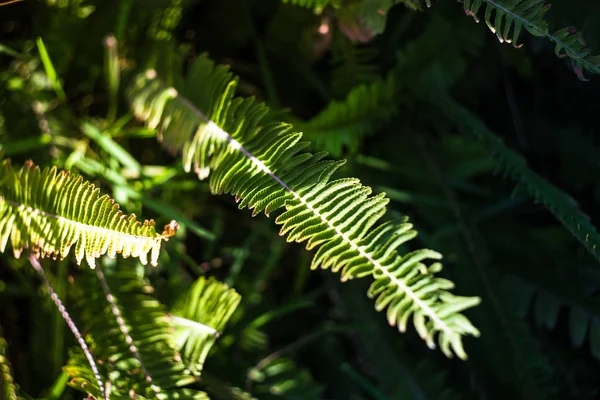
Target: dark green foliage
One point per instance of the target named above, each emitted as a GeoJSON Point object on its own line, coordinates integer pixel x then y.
{"type": "Point", "coordinates": [489, 150]}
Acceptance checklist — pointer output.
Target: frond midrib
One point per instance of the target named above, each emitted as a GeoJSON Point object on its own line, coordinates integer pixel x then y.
{"type": "Point", "coordinates": [60, 218]}
{"type": "Point", "coordinates": [380, 268]}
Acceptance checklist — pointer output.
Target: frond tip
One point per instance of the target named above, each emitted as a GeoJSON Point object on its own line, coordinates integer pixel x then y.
{"type": "Point", "coordinates": [48, 211]}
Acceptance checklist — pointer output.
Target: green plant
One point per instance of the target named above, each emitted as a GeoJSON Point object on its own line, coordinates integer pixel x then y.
{"type": "Point", "coordinates": [487, 151]}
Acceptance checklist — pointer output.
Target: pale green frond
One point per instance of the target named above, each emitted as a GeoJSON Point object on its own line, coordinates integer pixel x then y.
{"type": "Point", "coordinates": [49, 211]}
{"type": "Point", "coordinates": [199, 316]}
{"type": "Point", "coordinates": [262, 164]}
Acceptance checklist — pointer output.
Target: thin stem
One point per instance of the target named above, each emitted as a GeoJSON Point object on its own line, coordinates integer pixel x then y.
{"type": "Point", "coordinates": [63, 311]}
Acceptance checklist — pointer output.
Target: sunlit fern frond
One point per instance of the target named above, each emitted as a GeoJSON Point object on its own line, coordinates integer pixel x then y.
{"type": "Point", "coordinates": [49, 211]}
{"type": "Point", "coordinates": [262, 164]}
{"type": "Point", "coordinates": [342, 124]}
{"type": "Point", "coordinates": [8, 388]}
{"type": "Point", "coordinates": [144, 361]}
{"type": "Point", "coordinates": [199, 316]}
{"type": "Point", "coordinates": [508, 18]}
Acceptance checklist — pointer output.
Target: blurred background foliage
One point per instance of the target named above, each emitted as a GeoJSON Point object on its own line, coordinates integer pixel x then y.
{"type": "Point", "coordinates": [478, 142]}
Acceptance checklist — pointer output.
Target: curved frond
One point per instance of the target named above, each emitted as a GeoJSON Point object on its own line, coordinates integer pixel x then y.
{"type": "Point", "coordinates": [508, 18]}
{"type": "Point", "coordinates": [199, 316]}
{"type": "Point", "coordinates": [262, 164]}
{"type": "Point", "coordinates": [50, 211]}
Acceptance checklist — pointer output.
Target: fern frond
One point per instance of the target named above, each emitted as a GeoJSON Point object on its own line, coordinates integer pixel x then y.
{"type": "Point", "coordinates": [8, 388]}
{"type": "Point", "coordinates": [281, 378]}
{"type": "Point", "coordinates": [264, 167]}
{"type": "Point", "coordinates": [547, 300]}
{"type": "Point", "coordinates": [559, 203]}
{"type": "Point", "coordinates": [508, 18]}
{"type": "Point", "coordinates": [343, 123]}
{"type": "Point", "coordinates": [149, 332]}
{"type": "Point", "coordinates": [199, 317]}
{"type": "Point", "coordinates": [351, 65]}
{"type": "Point", "coordinates": [317, 5]}
{"type": "Point", "coordinates": [48, 212]}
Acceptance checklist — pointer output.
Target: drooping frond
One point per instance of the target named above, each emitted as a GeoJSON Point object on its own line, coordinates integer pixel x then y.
{"type": "Point", "coordinates": [559, 203]}
{"type": "Point", "coordinates": [8, 388]}
{"type": "Point", "coordinates": [508, 18]}
{"type": "Point", "coordinates": [49, 211]}
{"type": "Point", "coordinates": [342, 124]}
{"type": "Point", "coordinates": [263, 165]}
{"type": "Point", "coordinates": [149, 339]}
{"type": "Point", "coordinates": [199, 316]}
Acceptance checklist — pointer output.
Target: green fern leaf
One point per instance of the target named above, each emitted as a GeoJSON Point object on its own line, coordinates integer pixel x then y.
{"type": "Point", "coordinates": [262, 164]}
{"type": "Point", "coordinates": [281, 378]}
{"type": "Point", "coordinates": [342, 124]}
{"type": "Point", "coordinates": [199, 316]}
{"type": "Point", "coordinates": [508, 18]}
{"type": "Point", "coordinates": [317, 5]}
{"type": "Point", "coordinates": [162, 375]}
{"type": "Point", "coordinates": [48, 212]}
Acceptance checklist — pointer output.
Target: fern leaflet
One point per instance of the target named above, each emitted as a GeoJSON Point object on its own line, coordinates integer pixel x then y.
{"type": "Point", "coordinates": [48, 212]}
{"type": "Point", "coordinates": [8, 388]}
{"type": "Point", "coordinates": [199, 317]}
{"type": "Point", "coordinates": [263, 165]}
{"type": "Point", "coordinates": [342, 123]}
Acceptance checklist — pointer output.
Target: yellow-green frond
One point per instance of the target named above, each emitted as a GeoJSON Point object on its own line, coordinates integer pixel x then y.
{"type": "Point", "coordinates": [49, 211]}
